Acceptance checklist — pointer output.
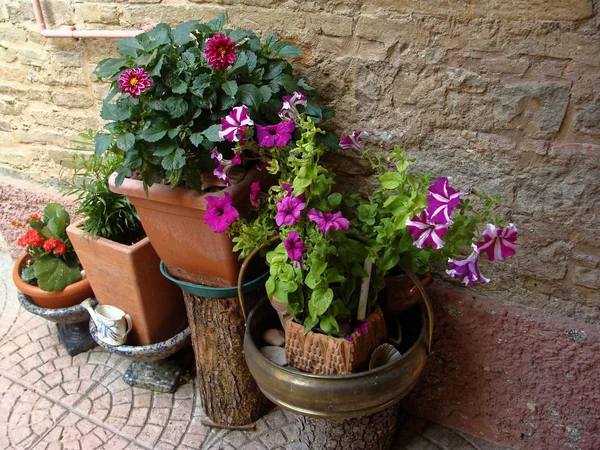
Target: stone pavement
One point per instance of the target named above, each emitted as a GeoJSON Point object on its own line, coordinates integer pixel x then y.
{"type": "Point", "coordinates": [49, 400]}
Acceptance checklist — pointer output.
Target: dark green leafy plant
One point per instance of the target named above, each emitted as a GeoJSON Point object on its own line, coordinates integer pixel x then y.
{"type": "Point", "coordinates": [168, 131]}
{"type": "Point", "coordinates": [106, 214]}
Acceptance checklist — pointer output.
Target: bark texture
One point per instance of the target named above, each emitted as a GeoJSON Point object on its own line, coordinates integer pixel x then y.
{"type": "Point", "coordinates": [230, 395]}
{"type": "Point", "coordinates": [374, 432]}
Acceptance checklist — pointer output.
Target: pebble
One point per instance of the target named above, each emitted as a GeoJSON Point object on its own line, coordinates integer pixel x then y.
{"type": "Point", "coordinates": [274, 337]}
{"type": "Point", "coordinates": [275, 354]}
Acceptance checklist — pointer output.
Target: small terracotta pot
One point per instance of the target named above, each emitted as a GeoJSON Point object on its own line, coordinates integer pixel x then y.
{"type": "Point", "coordinates": [401, 293]}
{"type": "Point", "coordinates": [172, 219]}
{"type": "Point", "coordinates": [72, 295]}
{"type": "Point", "coordinates": [327, 355]}
{"type": "Point", "coordinates": [128, 277]}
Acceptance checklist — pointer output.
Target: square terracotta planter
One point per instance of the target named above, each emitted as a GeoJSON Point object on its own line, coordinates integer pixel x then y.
{"type": "Point", "coordinates": [128, 277]}
{"type": "Point", "coordinates": [327, 355]}
{"type": "Point", "coordinates": [172, 219]}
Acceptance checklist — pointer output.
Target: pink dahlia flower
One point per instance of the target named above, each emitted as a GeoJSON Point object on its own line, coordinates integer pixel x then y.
{"type": "Point", "coordinates": [294, 246]}
{"type": "Point", "coordinates": [426, 233]}
{"type": "Point", "coordinates": [220, 52]}
{"type": "Point", "coordinates": [220, 212]}
{"type": "Point", "coordinates": [468, 269]}
{"type": "Point", "coordinates": [499, 243]}
{"type": "Point", "coordinates": [328, 221]}
{"type": "Point", "coordinates": [134, 81]}
{"type": "Point", "coordinates": [275, 135]}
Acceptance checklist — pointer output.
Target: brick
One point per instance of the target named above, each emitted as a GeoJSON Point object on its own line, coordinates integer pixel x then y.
{"type": "Point", "coordinates": [43, 137]}
{"type": "Point", "coordinates": [586, 277]}
{"type": "Point", "coordinates": [404, 31]}
{"type": "Point", "coordinates": [7, 54]}
{"type": "Point", "coordinates": [97, 13]}
{"type": "Point", "coordinates": [10, 33]}
{"type": "Point", "coordinates": [506, 9]}
{"type": "Point", "coordinates": [67, 59]}
{"type": "Point", "coordinates": [13, 72]}
{"type": "Point", "coordinates": [173, 15]}
{"type": "Point", "coordinates": [587, 118]}
{"type": "Point", "coordinates": [73, 99]}
{"type": "Point", "coordinates": [56, 76]}
{"type": "Point", "coordinates": [562, 150]}
{"type": "Point", "coordinates": [64, 119]}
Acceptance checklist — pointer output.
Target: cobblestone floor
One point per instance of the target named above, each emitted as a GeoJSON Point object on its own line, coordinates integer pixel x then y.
{"type": "Point", "coordinates": [49, 400]}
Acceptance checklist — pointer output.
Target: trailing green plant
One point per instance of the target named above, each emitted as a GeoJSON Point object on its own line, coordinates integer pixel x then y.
{"type": "Point", "coordinates": [53, 264]}
{"type": "Point", "coordinates": [105, 213]}
{"type": "Point", "coordinates": [177, 84]}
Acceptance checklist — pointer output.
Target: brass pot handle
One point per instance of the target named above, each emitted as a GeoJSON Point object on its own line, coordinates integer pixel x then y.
{"type": "Point", "coordinates": [427, 302]}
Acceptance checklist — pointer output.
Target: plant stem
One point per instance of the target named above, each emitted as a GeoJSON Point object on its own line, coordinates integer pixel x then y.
{"type": "Point", "coordinates": [364, 291]}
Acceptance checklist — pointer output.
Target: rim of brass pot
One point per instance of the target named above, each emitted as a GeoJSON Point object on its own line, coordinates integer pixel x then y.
{"type": "Point", "coordinates": [335, 396]}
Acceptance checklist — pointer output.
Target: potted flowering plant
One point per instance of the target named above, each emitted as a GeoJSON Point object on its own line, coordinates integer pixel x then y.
{"type": "Point", "coordinates": [120, 263]}
{"type": "Point", "coordinates": [49, 270]}
{"type": "Point", "coordinates": [327, 278]}
{"type": "Point", "coordinates": [176, 89]}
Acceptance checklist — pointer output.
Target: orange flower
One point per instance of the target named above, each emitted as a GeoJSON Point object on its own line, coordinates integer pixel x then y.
{"type": "Point", "coordinates": [55, 246]}
{"type": "Point", "coordinates": [31, 238]}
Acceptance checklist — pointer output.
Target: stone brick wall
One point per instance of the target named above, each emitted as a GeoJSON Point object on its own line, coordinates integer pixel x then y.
{"type": "Point", "coordinates": [503, 95]}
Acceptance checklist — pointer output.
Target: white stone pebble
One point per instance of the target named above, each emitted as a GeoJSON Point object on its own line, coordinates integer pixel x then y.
{"type": "Point", "coordinates": [275, 354]}
{"type": "Point", "coordinates": [275, 337]}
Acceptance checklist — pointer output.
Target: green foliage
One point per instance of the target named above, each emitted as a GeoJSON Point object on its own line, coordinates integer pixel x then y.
{"type": "Point", "coordinates": [167, 133]}
{"type": "Point", "coordinates": [51, 271]}
{"type": "Point", "coordinates": [106, 214]}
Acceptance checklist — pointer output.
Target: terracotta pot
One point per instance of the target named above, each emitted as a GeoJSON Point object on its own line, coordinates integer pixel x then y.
{"type": "Point", "coordinates": [172, 219]}
{"type": "Point", "coordinates": [128, 277]}
{"type": "Point", "coordinates": [401, 293]}
{"type": "Point", "coordinates": [72, 295]}
{"type": "Point", "coordinates": [327, 355]}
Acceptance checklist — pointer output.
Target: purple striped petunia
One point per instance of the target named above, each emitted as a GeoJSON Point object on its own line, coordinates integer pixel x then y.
{"type": "Point", "coordinates": [233, 126]}
{"type": "Point", "coordinates": [441, 201]}
{"type": "Point", "coordinates": [290, 105]}
{"type": "Point", "coordinates": [499, 243]}
{"type": "Point", "coordinates": [353, 141]}
{"type": "Point", "coordinates": [426, 233]}
{"type": "Point", "coordinates": [468, 269]}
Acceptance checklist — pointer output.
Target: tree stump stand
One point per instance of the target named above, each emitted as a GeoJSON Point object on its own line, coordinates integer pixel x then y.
{"type": "Point", "coordinates": [373, 432]}
{"type": "Point", "coordinates": [229, 394]}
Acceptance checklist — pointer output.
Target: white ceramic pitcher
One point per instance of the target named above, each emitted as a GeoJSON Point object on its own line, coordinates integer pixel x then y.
{"type": "Point", "coordinates": [112, 324]}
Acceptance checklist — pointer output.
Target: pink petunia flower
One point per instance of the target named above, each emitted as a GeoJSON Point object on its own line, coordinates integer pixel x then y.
{"type": "Point", "coordinates": [328, 221]}
{"type": "Point", "coordinates": [233, 126]}
{"type": "Point", "coordinates": [499, 243]}
{"type": "Point", "coordinates": [442, 200]}
{"type": "Point", "coordinates": [220, 52]}
{"type": "Point", "coordinates": [294, 246]}
{"type": "Point", "coordinates": [426, 233]}
{"type": "Point", "coordinates": [362, 328]}
{"type": "Point", "coordinates": [353, 141]}
{"type": "Point", "coordinates": [220, 212]}
{"type": "Point", "coordinates": [468, 269]}
{"type": "Point", "coordinates": [275, 135]}
{"type": "Point", "coordinates": [288, 210]}
{"type": "Point", "coordinates": [289, 109]}
{"type": "Point", "coordinates": [255, 194]}
{"type": "Point", "coordinates": [134, 81]}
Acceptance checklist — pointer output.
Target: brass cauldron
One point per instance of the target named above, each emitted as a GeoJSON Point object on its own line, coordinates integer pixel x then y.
{"type": "Point", "coordinates": [334, 396]}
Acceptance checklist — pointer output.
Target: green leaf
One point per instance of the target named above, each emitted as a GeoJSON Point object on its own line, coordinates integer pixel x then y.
{"type": "Point", "coordinates": [201, 82]}
{"type": "Point", "coordinates": [176, 106]}
{"type": "Point", "coordinates": [334, 200]}
{"type": "Point", "coordinates": [285, 80]}
{"type": "Point", "coordinates": [265, 91]}
{"type": "Point", "coordinates": [102, 143]}
{"type": "Point", "coordinates": [174, 131]}
{"type": "Point", "coordinates": [251, 61]}
{"type": "Point", "coordinates": [391, 180]}
{"type": "Point", "coordinates": [116, 111]}
{"type": "Point", "coordinates": [175, 160]}
{"type": "Point", "coordinates": [309, 324]}
{"type": "Point", "coordinates": [212, 133]}
{"type": "Point", "coordinates": [189, 57]}
{"type": "Point", "coordinates": [250, 95]}
{"type": "Point", "coordinates": [183, 33]}
{"type": "Point", "coordinates": [126, 141]}
{"type": "Point", "coordinates": [109, 67]}
{"type": "Point", "coordinates": [216, 25]}
{"type": "Point", "coordinates": [158, 105]}
{"type": "Point", "coordinates": [274, 69]}
{"type": "Point", "coordinates": [158, 66]}
{"type": "Point", "coordinates": [155, 132]}
{"type": "Point", "coordinates": [165, 148]}
{"type": "Point", "coordinates": [53, 274]}
{"type": "Point", "coordinates": [129, 47]}
{"type": "Point", "coordinates": [238, 35]}
{"type": "Point", "coordinates": [328, 323]}
{"type": "Point", "coordinates": [180, 88]}
{"type": "Point", "coordinates": [290, 51]}
{"type": "Point", "coordinates": [28, 273]}
{"type": "Point", "coordinates": [56, 219]}
{"type": "Point", "coordinates": [160, 35]}
{"type": "Point", "coordinates": [196, 139]}
{"type": "Point", "coordinates": [320, 300]}
{"type": "Point", "coordinates": [230, 88]}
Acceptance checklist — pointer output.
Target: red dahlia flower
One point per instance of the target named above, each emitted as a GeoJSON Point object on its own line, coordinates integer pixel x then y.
{"type": "Point", "coordinates": [220, 52]}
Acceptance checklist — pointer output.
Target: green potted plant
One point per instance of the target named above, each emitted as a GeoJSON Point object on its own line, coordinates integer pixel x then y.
{"type": "Point", "coordinates": [49, 271]}
{"type": "Point", "coordinates": [119, 260]}
{"type": "Point", "coordinates": [175, 88]}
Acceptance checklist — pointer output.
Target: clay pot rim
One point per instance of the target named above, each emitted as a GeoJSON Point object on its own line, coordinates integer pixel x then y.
{"type": "Point", "coordinates": [34, 291]}
{"type": "Point", "coordinates": [190, 198]}
{"type": "Point", "coordinates": [75, 228]}
{"type": "Point", "coordinates": [295, 372]}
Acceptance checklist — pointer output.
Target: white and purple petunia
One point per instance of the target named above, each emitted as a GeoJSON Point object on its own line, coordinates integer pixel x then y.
{"type": "Point", "coordinates": [233, 126]}
{"type": "Point", "coordinates": [426, 233]}
{"type": "Point", "coordinates": [441, 201]}
{"type": "Point", "coordinates": [499, 243]}
{"type": "Point", "coordinates": [328, 221]}
{"type": "Point", "coordinates": [468, 269]}
{"type": "Point", "coordinates": [353, 141]}
{"type": "Point", "coordinates": [289, 109]}
{"type": "Point", "coordinates": [223, 166]}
